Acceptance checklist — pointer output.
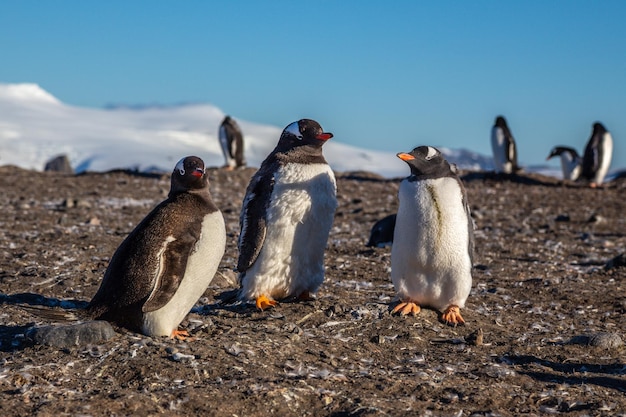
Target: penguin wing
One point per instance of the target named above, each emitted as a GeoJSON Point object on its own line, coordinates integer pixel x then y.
{"type": "Point", "coordinates": [253, 221]}
{"type": "Point", "coordinates": [471, 225]}
{"type": "Point", "coordinates": [591, 157]}
{"type": "Point", "coordinates": [172, 263]}
{"type": "Point", "coordinates": [143, 263]}
{"type": "Point", "coordinates": [511, 151]}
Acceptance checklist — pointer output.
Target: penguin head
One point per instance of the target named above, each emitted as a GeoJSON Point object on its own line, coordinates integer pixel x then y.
{"type": "Point", "coordinates": [189, 174]}
{"type": "Point", "coordinates": [427, 161]}
{"type": "Point", "coordinates": [302, 133]}
{"type": "Point", "coordinates": [598, 128]}
{"type": "Point", "coordinates": [500, 122]}
{"type": "Point", "coordinates": [558, 150]}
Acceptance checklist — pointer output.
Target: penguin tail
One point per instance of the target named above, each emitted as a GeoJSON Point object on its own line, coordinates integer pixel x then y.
{"type": "Point", "coordinates": [228, 297]}
{"type": "Point", "coordinates": [51, 314]}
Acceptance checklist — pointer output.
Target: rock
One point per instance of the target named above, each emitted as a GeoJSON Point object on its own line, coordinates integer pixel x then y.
{"type": "Point", "coordinates": [64, 336]}
{"type": "Point", "coordinates": [601, 340]}
{"type": "Point", "coordinates": [475, 338]}
{"type": "Point", "coordinates": [60, 163]}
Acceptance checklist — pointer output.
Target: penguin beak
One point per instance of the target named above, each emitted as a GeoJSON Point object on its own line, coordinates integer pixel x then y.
{"type": "Point", "coordinates": [198, 172]}
{"type": "Point", "coordinates": [324, 136]}
{"type": "Point", "coordinates": [405, 156]}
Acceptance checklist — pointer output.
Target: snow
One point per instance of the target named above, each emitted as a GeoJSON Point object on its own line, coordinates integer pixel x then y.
{"type": "Point", "coordinates": [35, 126]}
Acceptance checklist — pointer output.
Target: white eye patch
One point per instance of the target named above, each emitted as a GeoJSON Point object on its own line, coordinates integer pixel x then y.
{"type": "Point", "coordinates": [432, 152]}
{"type": "Point", "coordinates": [180, 166]}
{"type": "Point", "coordinates": [294, 129]}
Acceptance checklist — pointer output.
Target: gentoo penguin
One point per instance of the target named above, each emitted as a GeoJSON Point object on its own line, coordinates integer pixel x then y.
{"type": "Point", "coordinates": [381, 234]}
{"type": "Point", "coordinates": [286, 217]}
{"type": "Point", "coordinates": [597, 156]}
{"type": "Point", "coordinates": [503, 147]}
{"type": "Point", "coordinates": [433, 243]}
{"type": "Point", "coordinates": [231, 141]}
{"type": "Point", "coordinates": [570, 161]}
{"type": "Point", "coordinates": [166, 263]}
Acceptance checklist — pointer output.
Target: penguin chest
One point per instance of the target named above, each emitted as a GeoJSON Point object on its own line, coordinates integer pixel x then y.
{"type": "Point", "coordinates": [430, 256]}
{"type": "Point", "coordinates": [604, 152]}
{"type": "Point", "coordinates": [299, 217]}
{"type": "Point", "coordinates": [570, 166]}
{"type": "Point", "coordinates": [503, 151]}
{"type": "Point", "coordinates": [199, 272]}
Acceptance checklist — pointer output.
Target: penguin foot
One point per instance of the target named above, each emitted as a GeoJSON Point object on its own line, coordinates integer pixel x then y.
{"type": "Point", "coordinates": [452, 316]}
{"type": "Point", "coordinates": [179, 335]}
{"type": "Point", "coordinates": [406, 307]}
{"type": "Point", "coordinates": [263, 302]}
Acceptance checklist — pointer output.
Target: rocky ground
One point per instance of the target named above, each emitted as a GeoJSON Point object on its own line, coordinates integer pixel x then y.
{"type": "Point", "coordinates": [546, 297]}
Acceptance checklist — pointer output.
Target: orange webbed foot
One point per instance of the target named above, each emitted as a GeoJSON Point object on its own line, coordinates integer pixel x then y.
{"type": "Point", "coordinates": [406, 307]}
{"type": "Point", "coordinates": [452, 316]}
{"type": "Point", "coordinates": [263, 302]}
{"type": "Point", "coordinates": [180, 335]}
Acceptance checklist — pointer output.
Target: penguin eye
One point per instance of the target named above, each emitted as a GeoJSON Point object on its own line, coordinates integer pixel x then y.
{"type": "Point", "coordinates": [181, 170]}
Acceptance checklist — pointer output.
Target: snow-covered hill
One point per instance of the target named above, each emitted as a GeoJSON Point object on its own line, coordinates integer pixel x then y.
{"type": "Point", "coordinates": [35, 126]}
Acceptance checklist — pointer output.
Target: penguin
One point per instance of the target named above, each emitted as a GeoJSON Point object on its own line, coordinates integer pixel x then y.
{"type": "Point", "coordinates": [570, 161]}
{"type": "Point", "coordinates": [597, 156]}
{"type": "Point", "coordinates": [166, 263]}
{"type": "Point", "coordinates": [381, 234]}
{"type": "Point", "coordinates": [433, 241]}
{"type": "Point", "coordinates": [285, 220]}
{"type": "Point", "coordinates": [231, 141]}
{"type": "Point", "coordinates": [503, 147]}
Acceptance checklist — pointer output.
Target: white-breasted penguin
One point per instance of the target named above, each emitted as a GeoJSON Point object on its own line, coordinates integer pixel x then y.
{"type": "Point", "coordinates": [166, 263]}
{"type": "Point", "coordinates": [231, 142]}
{"type": "Point", "coordinates": [286, 217]}
{"type": "Point", "coordinates": [597, 156]}
{"type": "Point", "coordinates": [433, 243]}
{"type": "Point", "coordinates": [503, 147]}
{"type": "Point", "coordinates": [570, 161]}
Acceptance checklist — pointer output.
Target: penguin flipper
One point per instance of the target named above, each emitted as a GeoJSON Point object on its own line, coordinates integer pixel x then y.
{"type": "Point", "coordinates": [253, 220]}
{"type": "Point", "coordinates": [172, 264]}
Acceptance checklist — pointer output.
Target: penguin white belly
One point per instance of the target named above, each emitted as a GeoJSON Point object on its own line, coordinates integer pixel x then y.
{"type": "Point", "coordinates": [201, 267]}
{"type": "Point", "coordinates": [570, 167]}
{"type": "Point", "coordinates": [299, 218]}
{"type": "Point", "coordinates": [223, 138]}
{"type": "Point", "coordinates": [430, 260]}
{"type": "Point", "coordinates": [500, 152]}
{"type": "Point", "coordinates": [606, 146]}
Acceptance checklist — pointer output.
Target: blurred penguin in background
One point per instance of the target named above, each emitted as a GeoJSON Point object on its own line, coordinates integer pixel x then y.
{"type": "Point", "coordinates": [597, 156]}
{"type": "Point", "coordinates": [231, 141]}
{"type": "Point", "coordinates": [503, 147]}
{"type": "Point", "coordinates": [381, 234]}
{"type": "Point", "coordinates": [570, 161]}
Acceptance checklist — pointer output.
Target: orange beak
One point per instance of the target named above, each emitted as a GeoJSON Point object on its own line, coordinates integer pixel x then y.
{"type": "Point", "coordinates": [405, 156]}
{"type": "Point", "coordinates": [324, 136]}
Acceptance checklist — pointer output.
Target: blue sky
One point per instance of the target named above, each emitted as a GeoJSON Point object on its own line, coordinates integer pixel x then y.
{"type": "Point", "coordinates": [386, 75]}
